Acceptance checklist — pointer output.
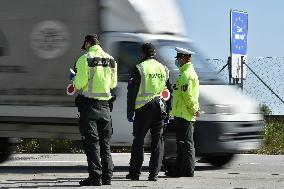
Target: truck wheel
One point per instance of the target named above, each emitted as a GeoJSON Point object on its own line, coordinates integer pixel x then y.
{"type": "Point", "coordinates": [219, 160]}
{"type": "Point", "coordinates": [5, 149]}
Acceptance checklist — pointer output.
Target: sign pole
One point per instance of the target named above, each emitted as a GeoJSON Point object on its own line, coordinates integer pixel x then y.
{"type": "Point", "coordinates": [238, 45]}
{"type": "Point", "coordinates": [242, 74]}
{"type": "Point", "coordinates": [229, 63]}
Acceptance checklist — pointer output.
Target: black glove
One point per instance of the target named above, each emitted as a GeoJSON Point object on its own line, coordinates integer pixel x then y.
{"type": "Point", "coordinates": [130, 116]}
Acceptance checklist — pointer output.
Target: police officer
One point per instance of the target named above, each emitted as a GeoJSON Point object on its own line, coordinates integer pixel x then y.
{"type": "Point", "coordinates": [95, 76]}
{"type": "Point", "coordinates": [185, 109]}
{"type": "Point", "coordinates": [145, 85]}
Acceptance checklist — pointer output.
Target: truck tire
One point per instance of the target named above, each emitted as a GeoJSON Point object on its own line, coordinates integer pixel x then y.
{"type": "Point", "coordinates": [5, 149]}
{"type": "Point", "coordinates": [218, 160]}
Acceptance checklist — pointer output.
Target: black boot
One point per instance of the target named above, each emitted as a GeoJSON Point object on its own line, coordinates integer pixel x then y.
{"type": "Point", "coordinates": [153, 177]}
{"type": "Point", "coordinates": [106, 182]}
{"type": "Point", "coordinates": [91, 181]}
{"type": "Point", "coordinates": [132, 177]}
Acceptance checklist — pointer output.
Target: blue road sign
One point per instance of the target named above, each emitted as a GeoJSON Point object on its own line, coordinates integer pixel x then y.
{"type": "Point", "coordinates": [239, 31]}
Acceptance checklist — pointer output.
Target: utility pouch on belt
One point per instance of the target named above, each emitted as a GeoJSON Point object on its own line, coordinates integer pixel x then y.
{"type": "Point", "coordinates": [80, 102]}
{"type": "Point", "coordinates": [163, 108]}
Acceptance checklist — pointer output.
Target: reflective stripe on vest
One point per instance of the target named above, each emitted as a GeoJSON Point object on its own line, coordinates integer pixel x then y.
{"type": "Point", "coordinates": [97, 61]}
{"type": "Point", "coordinates": [144, 97]}
{"type": "Point", "coordinates": [143, 83]}
{"type": "Point", "coordinates": [167, 73]}
{"type": "Point", "coordinates": [93, 95]}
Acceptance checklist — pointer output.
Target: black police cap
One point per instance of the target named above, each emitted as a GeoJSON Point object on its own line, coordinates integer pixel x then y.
{"type": "Point", "coordinates": [148, 48]}
{"type": "Point", "coordinates": [92, 38]}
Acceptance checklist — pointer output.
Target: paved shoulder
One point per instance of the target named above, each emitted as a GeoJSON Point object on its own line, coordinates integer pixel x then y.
{"type": "Point", "coordinates": [66, 170]}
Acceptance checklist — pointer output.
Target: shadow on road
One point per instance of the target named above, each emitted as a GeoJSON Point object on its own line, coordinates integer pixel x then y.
{"type": "Point", "coordinates": [54, 169]}
{"type": "Point", "coordinates": [74, 169]}
{"type": "Point", "coordinates": [62, 182]}
{"type": "Point", "coordinates": [53, 183]}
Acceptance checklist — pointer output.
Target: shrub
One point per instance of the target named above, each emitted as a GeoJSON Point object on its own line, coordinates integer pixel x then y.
{"type": "Point", "coordinates": [273, 137]}
{"type": "Point", "coordinates": [28, 146]}
{"type": "Point", "coordinates": [51, 146]}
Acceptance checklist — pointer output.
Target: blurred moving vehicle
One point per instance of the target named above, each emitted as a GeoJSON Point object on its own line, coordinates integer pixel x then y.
{"type": "Point", "coordinates": [40, 40]}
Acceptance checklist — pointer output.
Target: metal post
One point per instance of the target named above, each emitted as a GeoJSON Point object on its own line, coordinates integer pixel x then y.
{"type": "Point", "coordinates": [242, 74]}
{"type": "Point", "coordinates": [229, 63]}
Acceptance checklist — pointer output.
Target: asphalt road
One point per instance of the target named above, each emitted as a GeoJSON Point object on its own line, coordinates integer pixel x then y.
{"type": "Point", "coordinates": [66, 170]}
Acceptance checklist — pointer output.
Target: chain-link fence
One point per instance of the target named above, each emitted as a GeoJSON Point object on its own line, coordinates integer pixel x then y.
{"type": "Point", "coordinates": [270, 70]}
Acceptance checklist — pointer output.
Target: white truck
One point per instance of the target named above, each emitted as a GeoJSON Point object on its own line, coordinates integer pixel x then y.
{"type": "Point", "coordinates": [40, 40]}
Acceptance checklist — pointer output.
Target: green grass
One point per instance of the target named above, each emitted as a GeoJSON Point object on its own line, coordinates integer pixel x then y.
{"type": "Point", "coordinates": [28, 146]}
{"type": "Point", "coordinates": [50, 146]}
{"type": "Point", "coordinates": [273, 138]}
{"type": "Point", "coordinates": [58, 146]}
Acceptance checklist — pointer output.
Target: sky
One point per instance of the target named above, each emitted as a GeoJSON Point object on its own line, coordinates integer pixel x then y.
{"type": "Point", "coordinates": [208, 25]}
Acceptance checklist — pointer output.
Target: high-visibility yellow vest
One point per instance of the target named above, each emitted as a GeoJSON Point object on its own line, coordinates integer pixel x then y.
{"type": "Point", "coordinates": [154, 76]}
{"type": "Point", "coordinates": [96, 74]}
{"type": "Point", "coordinates": [186, 93]}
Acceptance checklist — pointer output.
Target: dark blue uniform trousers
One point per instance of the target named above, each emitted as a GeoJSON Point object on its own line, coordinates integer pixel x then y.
{"type": "Point", "coordinates": [147, 118]}
{"type": "Point", "coordinates": [96, 130]}
{"type": "Point", "coordinates": [185, 161]}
